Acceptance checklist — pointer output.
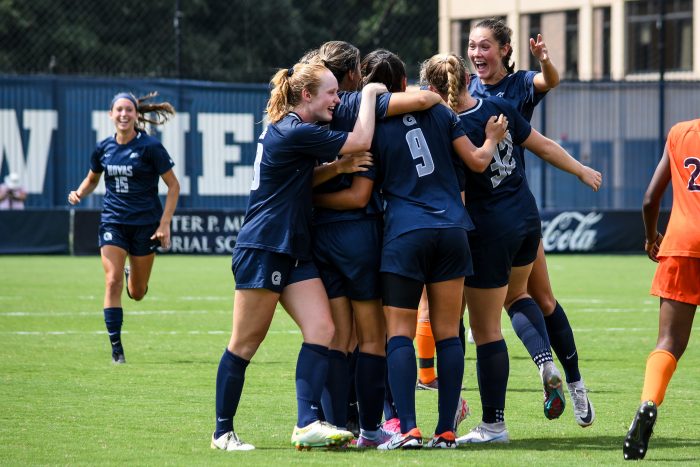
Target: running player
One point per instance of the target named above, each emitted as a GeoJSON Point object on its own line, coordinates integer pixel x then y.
{"type": "Point", "coordinates": [133, 222]}
{"type": "Point", "coordinates": [489, 51]}
{"type": "Point", "coordinates": [677, 275]}
{"type": "Point", "coordinates": [272, 258]}
{"type": "Point", "coordinates": [507, 232]}
{"type": "Point", "coordinates": [425, 242]}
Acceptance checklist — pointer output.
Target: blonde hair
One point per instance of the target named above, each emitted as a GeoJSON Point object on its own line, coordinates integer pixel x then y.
{"type": "Point", "coordinates": [340, 57]}
{"type": "Point", "coordinates": [162, 111]}
{"type": "Point", "coordinates": [287, 85]}
{"type": "Point", "coordinates": [447, 73]}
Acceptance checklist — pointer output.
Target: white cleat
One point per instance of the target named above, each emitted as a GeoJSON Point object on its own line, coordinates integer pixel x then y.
{"type": "Point", "coordinates": [583, 409]}
{"type": "Point", "coordinates": [470, 337]}
{"type": "Point", "coordinates": [486, 433]}
{"type": "Point", "coordinates": [462, 413]}
{"type": "Point", "coordinates": [320, 434]}
{"type": "Point", "coordinates": [230, 442]}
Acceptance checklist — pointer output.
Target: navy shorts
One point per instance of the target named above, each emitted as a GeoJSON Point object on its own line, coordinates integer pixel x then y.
{"type": "Point", "coordinates": [494, 256]}
{"type": "Point", "coordinates": [348, 255]}
{"type": "Point", "coordinates": [135, 239]}
{"type": "Point", "coordinates": [428, 255]}
{"type": "Point", "coordinates": [261, 269]}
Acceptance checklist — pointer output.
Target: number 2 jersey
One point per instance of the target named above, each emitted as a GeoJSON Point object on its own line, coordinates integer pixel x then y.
{"type": "Point", "coordinates": [417, 172]}
{"type": "Point", "coordinates": [500, 194]}
{"type": "Point", "coordinates": [131, 178]}
{"type": "Point", "coordinates": [682, 234]}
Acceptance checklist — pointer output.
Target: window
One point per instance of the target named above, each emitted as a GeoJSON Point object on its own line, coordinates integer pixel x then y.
{"type": "Point", "coordinates": [571, 41]}
{"type": "Point", "coordinates": [643, 35]}
{"type": "Point", "coordinates": [534, 29]}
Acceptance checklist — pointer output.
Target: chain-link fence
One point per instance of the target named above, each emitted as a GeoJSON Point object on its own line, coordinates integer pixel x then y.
{"type": "Point", "coordinates": [219, 40]}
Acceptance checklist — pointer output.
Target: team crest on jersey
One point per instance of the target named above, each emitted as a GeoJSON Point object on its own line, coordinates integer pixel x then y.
{"type": "Point", "coordinates": [134, 155]}
{"type": "Point", "coordinates": [409, 120]}
{"type": "Point", "coordinates": [107, 236]}
{"type": "Point", "coordinates": [500, 94]}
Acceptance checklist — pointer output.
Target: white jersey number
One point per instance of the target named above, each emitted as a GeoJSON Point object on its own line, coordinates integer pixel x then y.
{"type": "Point", "coordinates": [256, 168]}
{"type": "Point", "coordinates": [121, 185]}
{"type": "Point", "coordinates": [503, 164]}
{"type": "Point", "coordinates": [420, 150]}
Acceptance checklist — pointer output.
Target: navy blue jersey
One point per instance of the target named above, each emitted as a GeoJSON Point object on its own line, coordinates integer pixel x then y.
{"type": "Point", "coordinates": [278, 216]}
{"type": "Point", "coordinates": [505, 175]}
{"type": "Point", "coordinates": [516, 88]}
{"type": "Point", "coordinates": [131, 178]}
{"type": "Point", "coordinates": [344, 117]}
{"type": "Point", "coordinates": [416, 171]}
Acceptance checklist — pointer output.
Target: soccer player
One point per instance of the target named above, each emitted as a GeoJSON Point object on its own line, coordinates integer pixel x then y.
{"type": "Point", "coordinates": [424, 243]}
{"type": "Point", "coordinates": [133, 222]}
{"type": "Point", "coordinates": [507, 232]}
{"type": "Point", "coordinates": [489, 51]}
{"type": "Point", "coordinates": [677, 275]}
{"type": "Point", "coordinates": [347, 247]}
{"type": "Point", "coordinates": [271, 261]}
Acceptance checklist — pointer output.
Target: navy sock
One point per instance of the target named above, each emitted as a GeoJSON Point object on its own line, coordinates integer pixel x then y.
{"type": "Point", "coordinates": [352, 391]}
{"type": "Point", "coordinates": [562, 338]}
{"type": "Point", "coordinates": [229, 385]}
{"type": "Point", "coordinates": [528, 323]}
{"type": "Point", "coordinates": [401, 361]}
{"type": "Point", "coordinates": [114, 318]}
{"type": "Point", "coordinates": [369, 381]}
{"type": "Point", "coordinates": [462, 336]}
{"type": "Point", "coordinates": [492, 369]}
{"type": "Point", "coordinates": [334, 399]}
{"type": "Point", "coordinates": [450, 367]}
{"type": "Point", "coordinates": [311, 372]}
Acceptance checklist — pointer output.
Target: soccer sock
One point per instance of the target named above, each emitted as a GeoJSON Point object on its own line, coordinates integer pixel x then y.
{"type": "Point", "coordinates": [463, 336]}
{"type": "Point", "coordinates": [229, 385]}
{"type": "Point", "coordinates": [492, 369]}
{"type": "Point", "coordinates": [425, 348]}
{"type": "Point", "coordinates": [114, 318]}
{"type": "Point", "coordinates": [401, 361]}
{"type": "Point", "coordinates": [335, 391]}
{"type": "Point", "coordinates": [660, 367]}
{"type": "Point", "coordinates": [528, 323]}
{"type": "Point", "coordinates": [311, 372]}
{"type": "Point", "coordinates": [353, 416]}
{"type": "Point", "coordinates": [450, 361]}
{"type": "Point", "coordinates": [369, 381]}
{"type": "Point", "coordinates": [389, 406]}
{"type": "Point", "coordinates": [561, 336]}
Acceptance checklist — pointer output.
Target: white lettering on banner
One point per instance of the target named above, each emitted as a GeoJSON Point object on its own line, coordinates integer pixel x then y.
{"type": "Point", "coordinates": [216, 153]}
{"type": "Point", "coordinates": [32, 169]}
{"type": "Point", "coordinates": [570, 231]}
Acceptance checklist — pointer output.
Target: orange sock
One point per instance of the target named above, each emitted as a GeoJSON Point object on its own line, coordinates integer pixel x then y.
{"type": "Point", "coordinates": [425, 351]}
{"type": "Point", "coordinates": [660, 367]}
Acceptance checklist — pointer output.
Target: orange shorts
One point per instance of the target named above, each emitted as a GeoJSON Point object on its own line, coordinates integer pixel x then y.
{"type": "Point", "coordinates": [677, 278]}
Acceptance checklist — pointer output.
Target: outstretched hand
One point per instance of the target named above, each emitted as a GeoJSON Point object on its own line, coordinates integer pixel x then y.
{"type": "Point", "coordinates": [539, 48]}
{"type": "Point", "coordinates": [591, 177]}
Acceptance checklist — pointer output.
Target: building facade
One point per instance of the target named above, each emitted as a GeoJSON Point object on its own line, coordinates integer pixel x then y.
{"type": "Point", "coordinates": [589, 39]}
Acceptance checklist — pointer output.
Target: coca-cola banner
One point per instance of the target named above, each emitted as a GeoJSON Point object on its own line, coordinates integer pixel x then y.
{"type": "Point", "coordinates": [595, 231]}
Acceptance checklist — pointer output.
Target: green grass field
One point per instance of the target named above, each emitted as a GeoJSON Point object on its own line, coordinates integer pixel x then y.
{"type": "Point", "coordinates": [63, 402]}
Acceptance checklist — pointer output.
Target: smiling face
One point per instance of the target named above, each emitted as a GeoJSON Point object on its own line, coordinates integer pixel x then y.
{"type": "Point", "coordinates": [123, 115]}
{"type": "Point", "coordinates": [321, 105]}
{"type": "Point", "coordinates": [486, 55]}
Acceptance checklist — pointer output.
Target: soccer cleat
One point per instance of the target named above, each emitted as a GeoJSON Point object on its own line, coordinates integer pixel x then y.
{"type": "Point", "coordinates": [486, 433]}
{"type": "Point", "coordinates": [445, 440]}
{"type": "Point", "coordinates": [381, 436]}
{"type": "Point", "coordinates": [393, 425]}
{"type": "Point", "coordinates": [462, 412]}
{"type": "Point", "coordinates": [470, 337]}
{"type": "Point", "coordinates": [637, 439]}
{"type": "Point", "coordinates": [411, 440]}
{"type": "Point", "coordinates": [431, 386]}
{"type": "Point", "coordinates": [320, 434]}
{"type": "Point", "coordinates": [118, 357]}
{"type": "Point", "coordinates": [583, 410]}
{"type": "Point", "coordinates": [554, 401]}
{"type": "Point", "coordinates": [229, 441]}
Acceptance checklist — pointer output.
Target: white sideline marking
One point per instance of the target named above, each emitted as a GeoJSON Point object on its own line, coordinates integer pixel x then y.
{"type": "Point", "coordinates": [157, 333]}
{"type": "Point", "coordinates": [97, 312]}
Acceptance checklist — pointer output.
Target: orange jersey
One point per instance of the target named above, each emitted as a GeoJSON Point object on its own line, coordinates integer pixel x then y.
{"type": "Point", "coordinates": [683, 233]}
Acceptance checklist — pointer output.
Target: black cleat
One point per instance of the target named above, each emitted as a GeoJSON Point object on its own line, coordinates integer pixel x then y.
{"type": "Point", "coordinates": [118, 357]}
{"type": "Point", "coordinates": [637, 439]}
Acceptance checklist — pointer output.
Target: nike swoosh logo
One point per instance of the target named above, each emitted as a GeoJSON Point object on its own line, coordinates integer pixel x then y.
{"type": "Point", "coordinates": [569, 357]}
{"type": "Point", "coordinates": [219, 419]}
{"type": "Point", "coordinates": [587, 418]}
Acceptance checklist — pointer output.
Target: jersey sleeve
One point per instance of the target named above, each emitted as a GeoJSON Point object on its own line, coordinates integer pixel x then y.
{"type": "Point", "coordinates": [382, 106]}
{"type": "Point", "coordinates": [528, 83]}
{"type": "Point", "coordinates": [95, 159]}
{"type": "Point", "coordinates": [456, 128]}
{"type": "Point", "coordinates": [518, 126]}
{"type": "Point", "coordinates": [318, 141]}
{"type": "Point", "coordinates": [160, 158]}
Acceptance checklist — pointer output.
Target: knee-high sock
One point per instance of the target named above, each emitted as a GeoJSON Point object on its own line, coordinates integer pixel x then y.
{"type": "Point", "coordinates": [660, 367]}
{"type": "Point", "coordinates": [492, 369]}
{"type": "Point", "coordinates": [561, 336]}
{"type": "Point", "coordinates": [450, 361]}
{"type": "Point", "coordinates": [425, 349]}
{"type": "Point", "coordinates": [389, 406]}
{"type": "Point", "coordinates": [369, 381]}
{"type": "Point", "coordinates": [528, 323]}
{"type": "Point", "coordinates": [114, 317]}
{"type": "Point", "coordinates": [229, 385]}
{"type": "Point", "coordinates": [401, 360]}
{"type": "Point", "coordinates": [352, 390]}
{"type": "Point", "coordinates": [311, 372]}
{"type": "Point", "coordinates": [335, 391]}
